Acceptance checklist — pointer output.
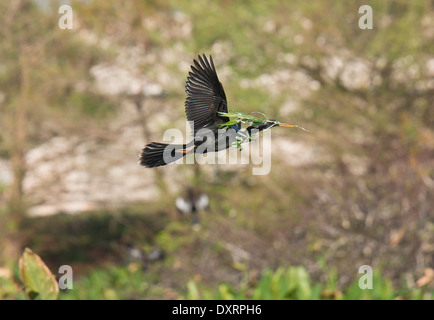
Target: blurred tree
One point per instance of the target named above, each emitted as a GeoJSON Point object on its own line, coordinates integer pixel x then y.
{"type": "Point", "coordinates": [44, 85]}
{"type": "Point", "coordinates": [366, 195]}
{"type": "Point", "coordinates": [373, 121]}
{"type": "Point", "coordinates": [134, 28]}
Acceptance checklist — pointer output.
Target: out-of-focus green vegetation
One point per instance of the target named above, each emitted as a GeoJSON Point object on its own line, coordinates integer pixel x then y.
{"type": "Point", "coordinates": [364, 198]}
{"type": "Point", "coordinates": [121, 277]}
{"type": "Point", "coordinates": [294, 283]}
{"type": "Point", "coordinates": [38, 281]}
{"type": "Point", "coordinates": [45, 89]}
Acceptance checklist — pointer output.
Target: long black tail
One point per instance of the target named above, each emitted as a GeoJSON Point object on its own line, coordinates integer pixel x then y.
{"type": "Point", "coordinates": [158, 154]}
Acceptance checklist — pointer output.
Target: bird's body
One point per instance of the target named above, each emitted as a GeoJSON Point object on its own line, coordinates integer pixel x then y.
{"type": "Point", "coordinates": [213, 127]}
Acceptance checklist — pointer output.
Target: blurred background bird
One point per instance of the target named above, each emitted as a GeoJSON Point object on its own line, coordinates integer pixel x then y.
{"type": "Point", "coordinates": [191, 204]}
{"type": "Point", "coordinates": [206, 107]}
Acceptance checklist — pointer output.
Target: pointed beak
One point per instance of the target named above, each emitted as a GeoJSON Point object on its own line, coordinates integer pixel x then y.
{"type": "Point", "coordinates": [281, 124]}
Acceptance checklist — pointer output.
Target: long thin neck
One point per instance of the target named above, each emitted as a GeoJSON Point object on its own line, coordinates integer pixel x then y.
{"type": "Point", "coordinates": [260, 127]}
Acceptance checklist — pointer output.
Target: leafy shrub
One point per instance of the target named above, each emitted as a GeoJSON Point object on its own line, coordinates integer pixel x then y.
{"type": "Point", "coordinates": [294, 283]}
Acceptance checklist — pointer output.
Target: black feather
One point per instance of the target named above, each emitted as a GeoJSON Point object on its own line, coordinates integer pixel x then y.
{"type": "Point", "coordinates": [205, 95]}
{"type": "Point", "coordinates": [153, 154]}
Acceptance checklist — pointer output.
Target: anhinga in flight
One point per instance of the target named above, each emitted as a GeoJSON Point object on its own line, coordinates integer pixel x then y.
{"type": "Point", "coordinates": [206, 107]}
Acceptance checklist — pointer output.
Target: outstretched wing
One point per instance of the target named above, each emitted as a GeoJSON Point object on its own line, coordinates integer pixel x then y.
{"type": "Point", "coordinates": [205, 95]}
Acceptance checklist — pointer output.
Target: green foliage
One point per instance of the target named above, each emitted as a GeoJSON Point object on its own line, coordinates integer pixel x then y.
{"type": "Point", "coordinates": [39, 282]}
{"type": "Point", "coordinates": [92, 105]}
{"type": "Point", "coordinates": [294, 283]}
{"type": "Point", "coordinates": [112, 283]}
{"type": "Point", "coordinates": [240, 117]}
{"type": "Point", "coordinates": [11, 290]}
{"type": "Point", "coordinates": [174, 236]}
{"type": "Point", "coordinates": [237, 117]}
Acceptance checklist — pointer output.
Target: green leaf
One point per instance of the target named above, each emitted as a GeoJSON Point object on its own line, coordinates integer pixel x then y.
{"type": "Point", "coordinates": [193, 292]}
{"type": "Point", "coordinates": [225, 292]}
{"type": "Point", "coordinates": [229, 124]}
{"type": "Point", "coordinates": [38, 280]}
{"type": "Point", "coordinates": [275, 283]}
{"type": "Point", "coordinates": [262, 291]}
{"type": "Point", "coordinates": [304, 289]}
{"type": "Point", "coordinates": [240, 117]}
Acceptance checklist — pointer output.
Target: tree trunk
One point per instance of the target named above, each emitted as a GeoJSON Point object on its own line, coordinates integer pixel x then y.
{"type": "Point", "coordinates": [16, 208]}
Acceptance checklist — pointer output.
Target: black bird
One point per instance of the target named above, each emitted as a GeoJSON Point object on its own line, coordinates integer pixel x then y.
{"type": "Point", "coordinates": [206, 106]}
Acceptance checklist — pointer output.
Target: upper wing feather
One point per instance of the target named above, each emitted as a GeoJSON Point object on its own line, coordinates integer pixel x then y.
{"type": "Point", "coordinates": [205, 95]}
